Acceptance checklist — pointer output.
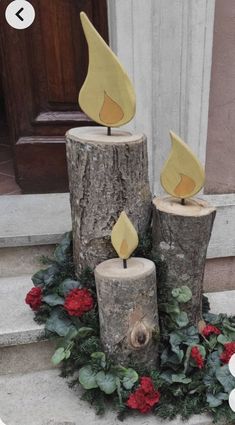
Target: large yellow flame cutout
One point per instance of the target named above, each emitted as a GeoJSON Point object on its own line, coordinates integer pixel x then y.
{"type": "Point", "coordinates": [124, 237]}
{"type": "Point", "coordinates": [183, 175]}
{"type": "Point", "coordinates": [107, 95]}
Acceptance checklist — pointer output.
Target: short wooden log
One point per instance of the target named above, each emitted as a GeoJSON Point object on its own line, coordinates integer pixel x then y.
{"type": "Point", "coordinates": [181, 235]}
{"type": "Point", "coordinates": [107, 174]}
{"type": "Point", "coordinates": [128, 312]}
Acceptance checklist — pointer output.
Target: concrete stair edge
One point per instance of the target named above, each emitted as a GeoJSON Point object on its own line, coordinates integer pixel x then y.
{"type": "Point", "coordinates": [34, 219]}
{"type": "Point", "coordinates": [43, 398]}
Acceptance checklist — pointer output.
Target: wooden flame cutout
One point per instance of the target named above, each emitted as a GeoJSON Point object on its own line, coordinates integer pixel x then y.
{"type": "Point", "coordinates": [124, 237]}
{"type": "Point", "coordinates": [107, 95]}
{"type": "Point", "coordinates": [183, 175]}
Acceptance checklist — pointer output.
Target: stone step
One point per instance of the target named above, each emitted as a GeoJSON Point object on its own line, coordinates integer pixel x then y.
{"type": "Point", "coordinates": [18, 261]}
{"type": "Point", "coordinates": [43, 398]}
{"type": "Point", "coordinates": [30, 226]}
{"type": "Point", "coordinates": [27, 220]}
{"type": "Point", "coordinates": [23, 347]}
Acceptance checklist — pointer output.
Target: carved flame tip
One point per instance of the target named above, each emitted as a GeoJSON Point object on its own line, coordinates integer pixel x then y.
{"type": "Point", "coordinates": [182, 175]}
{"type": "Point", "coordinates": [124, 237]}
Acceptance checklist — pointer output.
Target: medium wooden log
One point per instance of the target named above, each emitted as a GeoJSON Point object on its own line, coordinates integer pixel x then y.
{"type": "Point", "coordinates": [181, 235]}
{"type": "Point", "coordinates": [128, 312]}
{"type": "Point", "coordinates": [107, 174]}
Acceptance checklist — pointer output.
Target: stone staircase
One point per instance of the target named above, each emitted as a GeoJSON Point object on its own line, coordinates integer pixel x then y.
{"type": "Point", "coordinates": [31, 391]}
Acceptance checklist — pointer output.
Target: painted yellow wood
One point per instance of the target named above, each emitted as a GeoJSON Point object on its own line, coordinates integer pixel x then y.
{"type": "Point", "coordinates": [183, 175]}
{"type": "Point", "coordinates": [107, 95]}
{"type": "Point", "coordinates": [124, 237]}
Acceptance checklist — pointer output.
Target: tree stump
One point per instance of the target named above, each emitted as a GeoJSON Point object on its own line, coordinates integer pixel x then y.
{"type": "Point", "coordinates": [181, 235]}
{"type": "Point", "coordinates": [107, 174]}
{"type": "Point", "coordinates": [128, 313]}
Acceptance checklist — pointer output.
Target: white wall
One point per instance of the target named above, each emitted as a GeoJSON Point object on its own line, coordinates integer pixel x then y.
{"type": "Point", "coordinates": [166, 47]}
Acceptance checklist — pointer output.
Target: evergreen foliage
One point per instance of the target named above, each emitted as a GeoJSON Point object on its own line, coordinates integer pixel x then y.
{"type": "Point", "coordinates": [186, 388]}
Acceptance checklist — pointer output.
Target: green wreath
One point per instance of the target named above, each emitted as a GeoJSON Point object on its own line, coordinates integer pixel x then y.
{"type": "Point", "coordinates": [193, 375]}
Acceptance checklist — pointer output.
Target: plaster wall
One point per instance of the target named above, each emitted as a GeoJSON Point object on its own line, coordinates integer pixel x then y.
{"type": "Point", "coordinates": [220, 156]}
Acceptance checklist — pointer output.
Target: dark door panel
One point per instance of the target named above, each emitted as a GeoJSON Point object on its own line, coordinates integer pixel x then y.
{"type": "Point", "coordinates": [43, 69]}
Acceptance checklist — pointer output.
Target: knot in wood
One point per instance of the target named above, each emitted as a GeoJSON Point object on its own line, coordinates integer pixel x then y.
{"type": "Point", "coordinates": [140, 335]}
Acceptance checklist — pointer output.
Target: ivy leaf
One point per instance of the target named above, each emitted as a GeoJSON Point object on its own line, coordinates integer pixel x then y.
{"type": "Point", "coordinates": [225, 378]}
{"type": "Point", "coordinates": [53, 300]}
{"type": "Point", "coordinates": [229, 330]}
{"type": "Point", "coordinates": [106, 382]}
{"type": "Point", "coordinates": [181, 378]}
{"type": "Point", "coordinates": [191, 335]}
{"type": "Point", "coordinates": [63, 248]}
{"type": "Point", "coordinates": [85, 331]}
{"type": "Point", "coordinates": [213, 362]}
{"type": "Point", "coordinates": [213, 319]}
{"type": "Point", "coordinates": [167, 376]}
{"type": "Point", "coordinates": [38, 278]}
{"type": "Point", "coordinates": [67, 353]}
{"type": "Point", "coordinates": [87, 378]}
{"type": "Point", "coordinates": [58, 323]}
{"type": "Point", "coordinates": [222, 339]}
{"type": "Point", "coordinates": [174, 359]}
{"type": "Point", "coordinates": [70, 335]}
{"type": "Point", "coordinates": [216, 400]}
{"type": "Point", "coordinates": [176, 338]}
{"type": "Point", "coordinates": [68, 285]}
{"type": "Point", "coordinates": [170, 308]}
{"type": "Point", "coordinates": [130, 378]}
{"type": "Point", "coordinates": [182, 294]}
{"type": "Point", "coordinates": [100, 358]}
{"type": "Point", "coordinates": [181, 319]}
{"type": "Point", "coordinates": [50, 274]}
{"type": "Point", "coordinates": [58, 356]}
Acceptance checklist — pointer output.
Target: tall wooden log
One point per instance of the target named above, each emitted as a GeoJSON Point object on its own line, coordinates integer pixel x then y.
{"type": "Point", "coordinates": [181, 235]}
{"type": "Point", "coordinates": [128, 311]}
{"type": "Point", "coordinates": [107, 174]}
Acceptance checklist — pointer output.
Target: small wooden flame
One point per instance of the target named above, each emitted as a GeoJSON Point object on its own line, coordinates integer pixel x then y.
{"type": "Point", "coordinates": [107, 95]}
{"type": "Point", "coordinates": [124, 237]}
{"type": "Point", "coordinates": [183, 175]}
{"type": "Point", "coordinates": [111, 112]}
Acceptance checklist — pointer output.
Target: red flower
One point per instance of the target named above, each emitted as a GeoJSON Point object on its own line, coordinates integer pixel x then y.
{"type": "Point", "coordinates": [197, 357]}
{"type": "Point", "coordinates": [228, 352]}
{"type": "Point", "coordinates": [152, 398]}
{"type": "Point", "coordinates": [146, 384]}
{"type": "Point", "coordinates": [145, 397]}
{"type": "Point", "coordinates": [34, 298]}
{"type": "Point", "coordinates": [209, 329]}
{"type": "Point", "coordinates": [137, 400]}
{"type": "Point", "coordinates": [78, 302]}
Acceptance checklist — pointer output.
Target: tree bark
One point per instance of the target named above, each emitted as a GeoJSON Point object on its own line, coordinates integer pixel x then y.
{"type": "Point", "coordinates": [127, 300]}
{"type": "Point", "coordinates": [181, 235]}
{"type": "Point", "coordinates": [107, 174]}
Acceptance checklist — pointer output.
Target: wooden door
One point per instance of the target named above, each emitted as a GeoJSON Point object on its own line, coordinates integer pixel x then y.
{"type": "Point", "coordinates": [43, 69]}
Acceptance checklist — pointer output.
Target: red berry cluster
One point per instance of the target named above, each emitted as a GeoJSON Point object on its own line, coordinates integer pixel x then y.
{"type": "Point", "coordinates": [145, 397]}
{"type": "Point", "coordinates": [209, 330]}
{"type": "Point", "coordinates": [197, 357]}
{"type": "Point", "coordinates": [229, 350]}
